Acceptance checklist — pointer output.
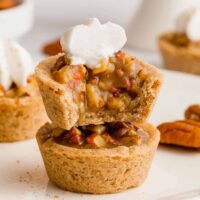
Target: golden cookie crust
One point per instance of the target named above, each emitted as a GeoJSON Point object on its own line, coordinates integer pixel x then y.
{"type": "Point", "coordinates": [20, 118]}
{"type": "Point", "coordinates": [64, 112]}
{"type": "Point", "coordinates": [98, 171]}
{"type": "Point", "coordinates": [179, 59]}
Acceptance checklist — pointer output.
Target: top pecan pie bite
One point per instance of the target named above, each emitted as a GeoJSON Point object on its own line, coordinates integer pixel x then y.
{"type": "Point", "coordinates": [118, 88]}
{"type": "Point", "coordinates": [122, 88]}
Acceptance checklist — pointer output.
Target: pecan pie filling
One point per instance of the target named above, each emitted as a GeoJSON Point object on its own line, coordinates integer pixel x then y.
{"type": "Point", "coordinates": [31, 89]}
{"type": "Point", "coordinates": [112, 85]}
{"type": "Point", "coordinates": [98, 136]}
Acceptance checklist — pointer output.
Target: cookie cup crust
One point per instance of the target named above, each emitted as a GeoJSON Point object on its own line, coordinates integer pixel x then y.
{"type": "Point", "coordinates": [179, 59]}
{"type": "Point", "coordinates": [97, 171]}
{"type": "Point", "coordinates": [64, 112]}
{"type": "Point", "coordinates": [20, 118]}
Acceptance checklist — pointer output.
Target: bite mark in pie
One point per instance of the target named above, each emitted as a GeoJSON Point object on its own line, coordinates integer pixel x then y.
{"type": "Point", "coordinates": [122, 88]}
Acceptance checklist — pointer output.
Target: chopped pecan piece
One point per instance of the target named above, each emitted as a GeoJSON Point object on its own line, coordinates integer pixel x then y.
{"type": "Point", "coordinates": [76, 139]}
{"type": "Point", "coordinates": [110, 140]}
{"type": "Point", "coordinates": [94, 99]}
{"type": "Point", "coordinates": [182, 133]}
{"type": "Point", "coordinates": [115, 103]}
{"type": "Point", "coordinates": [96, 140]}
{"type": "Point", "coordinates": [99, 129]}
{"type": "Point", "coordinates": [103, 66]}
{"type": "Point", "coordinates": [59, 63]}
{"type": "Point", "coordinates": [193, 113]}
{"type": "Point", "coordinates": [57, 132]}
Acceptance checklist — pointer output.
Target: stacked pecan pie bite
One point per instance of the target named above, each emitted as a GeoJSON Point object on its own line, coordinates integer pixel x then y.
{"type": "Point", "coordinates": [98, 99]}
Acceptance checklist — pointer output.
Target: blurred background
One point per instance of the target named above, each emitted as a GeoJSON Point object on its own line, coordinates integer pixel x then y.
{"type": "Point", "coordinates": [143, 20]}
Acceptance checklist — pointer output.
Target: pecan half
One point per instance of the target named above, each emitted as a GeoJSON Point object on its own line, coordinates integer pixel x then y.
{"type": "Point", "coordinates": [182, 133]}
{"type": "Point", "coordinates": [52, 48]}
{"type": "Point", "coordinates": [193, 113]}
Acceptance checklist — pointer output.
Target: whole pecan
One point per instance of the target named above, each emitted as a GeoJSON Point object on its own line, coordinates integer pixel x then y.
{"type": "Point", "coordinates": [182, 133]}
{"type": "Point", "coordinates": [193, 113]}
{"type": "Point", "coordinates": [52, 48]}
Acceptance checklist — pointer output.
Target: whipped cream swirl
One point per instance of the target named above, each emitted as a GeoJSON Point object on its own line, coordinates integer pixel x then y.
{"type": "Point", "coordinates": [188, 22]}
{"type": "Point", "coordinates": [91, 42]}
{"type": "Point", "coordinates": [15, 64]}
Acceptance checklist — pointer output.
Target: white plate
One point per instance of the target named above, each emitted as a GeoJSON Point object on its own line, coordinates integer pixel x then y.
{"type": "Point", "coordinates": [175, 171]}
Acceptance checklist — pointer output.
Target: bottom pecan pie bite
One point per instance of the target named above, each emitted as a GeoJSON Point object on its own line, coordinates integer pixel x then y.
{"type": "Point", "coordinates": [98, 159]}
{"type": "Point", "coordinates": [122, 88]}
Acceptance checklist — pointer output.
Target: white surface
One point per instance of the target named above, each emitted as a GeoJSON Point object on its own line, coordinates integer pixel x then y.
{"type": "Point", "coordinates": [77, 11]}
{"type": "Point", "coordinates": [175, 171]}
{"type": "Point", "coordinates": [16, 21]}
{"type": "Point", "coordinates": [154, 18]}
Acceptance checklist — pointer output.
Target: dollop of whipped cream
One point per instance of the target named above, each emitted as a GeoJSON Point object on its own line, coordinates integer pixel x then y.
{"type": "Point", "coordinates": [188, 22]}
{"type": "Point", "coordinates": [90, 42]}
{"type": "Point", "coordinates": [15, 64]}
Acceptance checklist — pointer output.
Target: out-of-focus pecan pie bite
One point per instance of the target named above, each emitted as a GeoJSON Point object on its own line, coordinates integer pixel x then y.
{"type": "Point", "coordinates": [94, 81]}
{"type": "Point", "coordinates": [181, 49]}
{"type": "Point", "coordinates": [21, 107]}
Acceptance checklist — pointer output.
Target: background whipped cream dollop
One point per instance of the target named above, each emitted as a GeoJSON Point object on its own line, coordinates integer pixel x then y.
{"type": "Point", "coordinates": [15, 64]}
{"type": "Point", "coordinates": [90, 42]}
{"type": "Point", "coordinates": [189, 23]}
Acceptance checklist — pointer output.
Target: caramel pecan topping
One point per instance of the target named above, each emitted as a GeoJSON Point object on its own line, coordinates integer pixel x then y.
{"type": "Point", "coordinates": [97, 136]}
{"type": "Point", "coordinates": [182, 133]}
{"type": "Point", "coordinates": [112, 85]}
{"type": "Point", "coordinates": [193, 113]}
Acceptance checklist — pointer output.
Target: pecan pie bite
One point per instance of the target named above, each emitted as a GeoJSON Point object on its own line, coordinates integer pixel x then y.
{"type": "Point", "coordinates": [98, 159]}
{"type": "Point", "coordinates": [180, 49]}
{"type": "Point", "coordinates": [93, 81]}
{"type": "Point", "coordinates": [179, 53]}
{"type": "Point", "coordinates": [22, 111]}
{"type": "Point", "coordinates": [93, 92]}
{"type": "Point", "coordinates": [122, 88]}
